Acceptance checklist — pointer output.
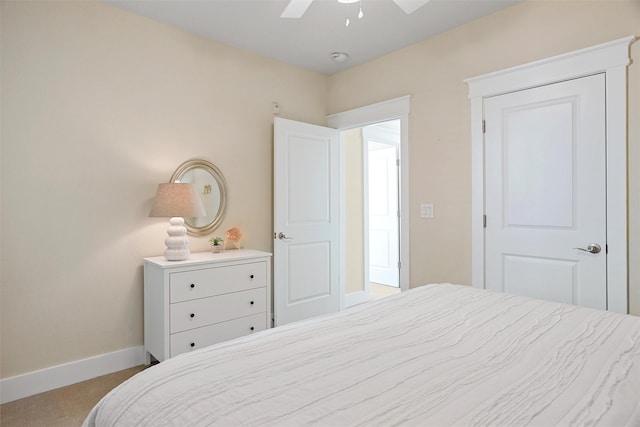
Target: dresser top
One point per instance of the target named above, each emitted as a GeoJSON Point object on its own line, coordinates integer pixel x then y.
{"type": "Point", "coordinates": [208, 257]}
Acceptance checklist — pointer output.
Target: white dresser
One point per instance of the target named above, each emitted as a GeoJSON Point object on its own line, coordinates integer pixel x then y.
{"type": "Point", "coordinates": [203, 300]}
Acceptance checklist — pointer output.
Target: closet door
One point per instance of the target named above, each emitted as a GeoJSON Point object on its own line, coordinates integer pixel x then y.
{"type": "Point", "coordinates": [546, 194]}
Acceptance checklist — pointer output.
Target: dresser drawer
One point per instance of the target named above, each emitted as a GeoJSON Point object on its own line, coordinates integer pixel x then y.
{"type": "Point", "coordinates": [188, 285]}
{"type": "Point", "coordinates": [205, 311]}
{"type": "Point", "coordinates": [208, 335]}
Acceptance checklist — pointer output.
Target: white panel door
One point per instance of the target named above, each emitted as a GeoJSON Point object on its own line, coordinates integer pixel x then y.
{"type": "Point", "coordinates": [306, 221]}
{"type": "Point", "coordinates": [383, 213]}
{"type": "Point", "coordinates": [546, 192]}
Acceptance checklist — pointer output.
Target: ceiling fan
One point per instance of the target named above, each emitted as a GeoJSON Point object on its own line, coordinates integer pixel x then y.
{"type": "Point", "coordinates": [297, 8]}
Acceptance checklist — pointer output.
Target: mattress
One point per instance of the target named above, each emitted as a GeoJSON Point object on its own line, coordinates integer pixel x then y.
{"type": "Point", "coordinates": [437, 355]}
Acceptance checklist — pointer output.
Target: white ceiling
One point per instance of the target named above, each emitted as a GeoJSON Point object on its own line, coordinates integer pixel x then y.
{"type": "Point", "coordinates": [256, 26]}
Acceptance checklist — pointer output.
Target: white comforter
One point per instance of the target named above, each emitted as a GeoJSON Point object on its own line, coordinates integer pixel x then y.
{"type": "Point", "coordinates": [438, 355]}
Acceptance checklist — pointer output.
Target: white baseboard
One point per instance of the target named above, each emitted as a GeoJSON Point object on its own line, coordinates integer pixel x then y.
{"type": "Point", "coordinates": [356, 298]}
{"type": "Point", "coordinates": [25, 385]}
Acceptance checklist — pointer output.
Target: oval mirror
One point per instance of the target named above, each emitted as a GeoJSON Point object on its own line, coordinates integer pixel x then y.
{"type": "Point", "coordinates": [212, 188]}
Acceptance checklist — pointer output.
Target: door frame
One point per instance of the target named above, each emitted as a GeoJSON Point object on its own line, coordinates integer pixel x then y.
{"type": "Point", "coordinates": [611, 59]}
{"type": "Point", "coordinates": [397, 108]}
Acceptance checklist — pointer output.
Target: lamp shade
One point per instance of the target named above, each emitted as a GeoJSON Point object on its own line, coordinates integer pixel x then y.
{"type": "Point", "coordinates": [177, 200]}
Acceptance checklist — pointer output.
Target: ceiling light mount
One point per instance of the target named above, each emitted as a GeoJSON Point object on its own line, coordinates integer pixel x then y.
{"type": "Point", "coordinates": [339, 57]}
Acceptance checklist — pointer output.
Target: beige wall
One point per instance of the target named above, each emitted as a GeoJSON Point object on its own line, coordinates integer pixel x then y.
{"type": "Point", "coordinates": [354, 211]}
{"type": "Point", "coordinates": [432, 72]}
{"type": "Point", "coordinates": [98, 107]}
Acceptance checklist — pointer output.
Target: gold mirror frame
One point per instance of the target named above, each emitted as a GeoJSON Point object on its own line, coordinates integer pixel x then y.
{"type": "Point", "coordinates": [210, 183]}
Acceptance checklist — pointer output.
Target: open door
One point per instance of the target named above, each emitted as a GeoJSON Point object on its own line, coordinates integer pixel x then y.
{"type": "Point", "coordinates": [306, 245]}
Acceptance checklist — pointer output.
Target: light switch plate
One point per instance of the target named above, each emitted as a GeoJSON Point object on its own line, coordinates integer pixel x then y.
{"type": "Point", "coordinates": [426, 210]}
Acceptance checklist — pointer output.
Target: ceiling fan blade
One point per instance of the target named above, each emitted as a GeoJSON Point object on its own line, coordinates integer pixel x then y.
{"type": "Point", "coordinates": [410, 6]}
{"type": "Point", "coordinates": [296, 8]}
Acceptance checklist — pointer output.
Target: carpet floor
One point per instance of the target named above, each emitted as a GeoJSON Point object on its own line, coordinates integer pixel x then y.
{"type": "Point", "coordinates": [63, 407]}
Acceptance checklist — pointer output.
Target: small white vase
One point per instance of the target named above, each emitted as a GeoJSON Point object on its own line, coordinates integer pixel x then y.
{"type": "Point", "coordinates": [216, 249]}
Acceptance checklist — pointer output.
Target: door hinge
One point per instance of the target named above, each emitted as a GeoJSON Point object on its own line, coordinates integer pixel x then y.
{"type": "Point", "coordinates": [484, 221]}
{"type": "Point", "coordinates": [484, 126]}
{"type": "Point", "coordinates": [398, 162]}
{"type": "Point", "coordinates": [606, 248]}
{"type": "Point", "coordinates": [399, 265]}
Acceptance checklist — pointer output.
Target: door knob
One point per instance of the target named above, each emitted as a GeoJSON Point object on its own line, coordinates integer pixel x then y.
{"type": "Point", "coordinates": [282, 236]}
{"type": "Point", "coordinates": [593, 248]}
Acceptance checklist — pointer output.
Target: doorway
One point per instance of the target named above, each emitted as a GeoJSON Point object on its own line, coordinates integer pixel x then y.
{"type": "Point", "coordinates": [310, 191]}
{"type": "Point", "coordinates": [381, 149]}
{"type": "Point", "coordinates": [372, 209]}
{"type": "Point", "coordinates": [350, 123]}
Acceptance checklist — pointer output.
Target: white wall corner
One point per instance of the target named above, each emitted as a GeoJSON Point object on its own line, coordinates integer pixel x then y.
{"type": "Point", "coordinates": [35, 382]}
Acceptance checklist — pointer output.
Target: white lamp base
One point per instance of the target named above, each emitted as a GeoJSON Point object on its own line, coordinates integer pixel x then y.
{"type": "Point", "coordinates": [177, 242]}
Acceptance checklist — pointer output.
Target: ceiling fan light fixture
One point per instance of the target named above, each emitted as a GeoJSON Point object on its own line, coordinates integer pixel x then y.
{"type": "Point", "coordinates": [348, 1]}
{"type": "Point", "coordinates": [339, 57]}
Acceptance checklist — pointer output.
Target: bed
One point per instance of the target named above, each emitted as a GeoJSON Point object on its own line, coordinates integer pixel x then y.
{"type": "Point", "coordinates": [437, 355]}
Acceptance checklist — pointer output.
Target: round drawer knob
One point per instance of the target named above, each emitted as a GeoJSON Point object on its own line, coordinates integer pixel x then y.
{"type": "Point", "coordinates": [251, 276]}
{"type": "Point", "coordinates": [192, 286]}
{"type": "Point", "coordinates": [252, 328]}
{"type": "Point", "coordinates": [192, 344]}
{"type": "Point", "coordinates": [252, 302]}
{"type": "Point", "coordinates": [192, 315]}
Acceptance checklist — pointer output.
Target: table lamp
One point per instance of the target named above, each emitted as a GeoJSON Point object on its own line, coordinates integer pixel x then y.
{"type": "Point", "coordinates": [177, 200]}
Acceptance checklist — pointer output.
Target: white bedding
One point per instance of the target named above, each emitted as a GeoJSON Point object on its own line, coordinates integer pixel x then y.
{"type": "Point", "coordinates": [438, 355]}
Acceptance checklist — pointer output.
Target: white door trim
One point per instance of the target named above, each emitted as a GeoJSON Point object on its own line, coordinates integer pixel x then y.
{"type": "Point", "coordinates": [610, 58]}
{"type": "Point", "coordinates": [397, 108]}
